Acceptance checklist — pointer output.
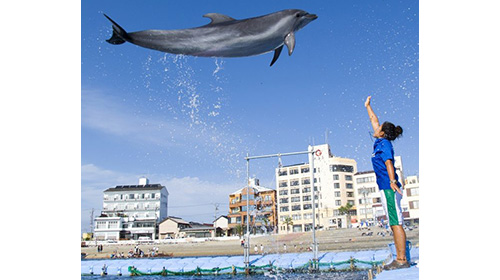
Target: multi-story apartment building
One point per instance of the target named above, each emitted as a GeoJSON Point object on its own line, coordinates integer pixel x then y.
{"type": "Point", "coordinates": [333, 186]}
{"type": "Point", "coordinates": [132, 211]}
{"type": "Point", "coordinates": [368, 205]}
{"type": "Point", "coordinates": [262, 208]}
{"type": "Point", "coordinates": [412, 197]}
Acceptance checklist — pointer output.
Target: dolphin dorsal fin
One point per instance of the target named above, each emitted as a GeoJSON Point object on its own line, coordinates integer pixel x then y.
{"type": "Point", "coordinates": [290, 42]}
{"type": "Point", "coordinates": [218, 18]}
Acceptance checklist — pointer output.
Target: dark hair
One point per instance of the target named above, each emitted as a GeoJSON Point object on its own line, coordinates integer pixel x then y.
{"type": "Point", "coordinates": [391, 131]}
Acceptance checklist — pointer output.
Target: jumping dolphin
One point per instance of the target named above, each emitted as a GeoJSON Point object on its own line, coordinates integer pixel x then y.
{"type": "Point", "coordinates": [224, 36]}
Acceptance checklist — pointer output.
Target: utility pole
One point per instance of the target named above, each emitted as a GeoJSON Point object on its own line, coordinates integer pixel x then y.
{"type": "Point", "coordinates": [92, 225]}
{"type": "Point", "coordinates": [215, 219]}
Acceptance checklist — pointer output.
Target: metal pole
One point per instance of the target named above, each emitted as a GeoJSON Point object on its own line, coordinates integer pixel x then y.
{"type": "Point", "coordinates": [314, 245]}
{"type": "Point", "coordinates": [365, 191]}
{"type": "Point", "coordinates": [247, 242]}
{"type": "Point", "coordinates": [311, 158]}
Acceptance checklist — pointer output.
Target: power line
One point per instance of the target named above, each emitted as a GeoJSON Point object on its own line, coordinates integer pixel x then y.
{"type": "Point", "coordinates": [205, 204]}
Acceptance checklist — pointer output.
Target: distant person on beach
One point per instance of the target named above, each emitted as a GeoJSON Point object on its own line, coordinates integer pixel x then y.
{"type": "Point", "coordinates": [255, 249]}
{"type": "Point", "coordinates": [387, 181]}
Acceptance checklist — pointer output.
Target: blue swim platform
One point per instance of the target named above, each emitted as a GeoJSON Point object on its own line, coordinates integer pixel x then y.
{"type": "Point", "coordinates": [235, 264]}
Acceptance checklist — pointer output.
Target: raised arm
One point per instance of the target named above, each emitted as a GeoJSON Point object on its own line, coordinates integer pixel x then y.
{"type": "Point", "coordinates": [371, 114]}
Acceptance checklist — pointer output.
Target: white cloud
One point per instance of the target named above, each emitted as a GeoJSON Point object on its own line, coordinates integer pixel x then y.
{"type": "Point", "coordinates": [109, 115]}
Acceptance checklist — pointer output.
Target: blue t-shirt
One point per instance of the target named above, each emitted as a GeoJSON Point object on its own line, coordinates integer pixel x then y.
{"type": "Point", "coordinates": [383, 151]}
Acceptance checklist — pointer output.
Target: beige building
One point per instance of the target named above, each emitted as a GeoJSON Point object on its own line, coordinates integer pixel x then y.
{"type": "Point", "coordinates": [171, 227]}
{"type": "Point", "coordinates": [334, 187]}
{"type": "Point", "coordinates": [262, 209]}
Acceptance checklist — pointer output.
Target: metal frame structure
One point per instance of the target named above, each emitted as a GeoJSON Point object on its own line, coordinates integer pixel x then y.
{"type": "Point", "coordinates": [310, 152]}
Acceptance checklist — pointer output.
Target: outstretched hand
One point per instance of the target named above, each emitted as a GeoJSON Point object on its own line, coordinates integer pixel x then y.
{"type": "Point", "coordinates": [367, 102]}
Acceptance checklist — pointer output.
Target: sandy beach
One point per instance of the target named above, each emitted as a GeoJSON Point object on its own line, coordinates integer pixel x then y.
{"type": "Point", "coordinates": [333, 240]}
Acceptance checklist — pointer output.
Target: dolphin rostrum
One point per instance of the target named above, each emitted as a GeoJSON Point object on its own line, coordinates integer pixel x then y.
{"type": "Point", "coordinates": [224, 36]}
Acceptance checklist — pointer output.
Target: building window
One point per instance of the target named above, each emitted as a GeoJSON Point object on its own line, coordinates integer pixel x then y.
{"type": "Point", "coordinates": [282, 172]}
{"type": "Point", "coordinates": [294, 183]}
{"type": "Point", "coordinates": [348, 185]}
{"type": "Point", "coordinates": [412, 192]}
{"type": "Point", "coordinates": [306, 198]}
{"type": "Point", "coordinates": [307, 206]}
{"type": "Point", "coordinates": [335, 177]}
{"type": "Point", "coordinates": [337, 194]}
{"type": "Point", "coordinates": [350, 194]}
{"type": "Point", "coordinates": [336, 185]}
{"type": "Point", "coordinates": [283, 184]}
{"type": "Point", "coordinates": [296, 217]}
{"type": "Point", "coordinates": [304, 170]}
{"type": "Point", "coordinates": [296, 207]}
{"type": "Point", "coordinates": [306, 181]}
{"type": "Point", "coordinates": [101, 225]}
{"type": "Point", "coordinates": [284, 209]}
{"type": "Point", "coordinates": [308, 216]}
{"type": "Point", "coordinates": [306, 190]}
{"type": "Point", "coordinates": [413, 204]}
{"type": "Point", "coordinates": [338, 203]}
{"type": "Point", "coordinates": [348, 177]}
{"type": "Point", "coordinates": [131, 196]}
{"type": "Point", "coordinates": [284, 200]}
{"type": "Point", "coordinates": [365, 179]}
{"type": "Point", "coordinates": [295, 191]}
{"type": "Point", "coordinates": [294, 171]}
{"type": "Point", "coordinates": [295, 199]}
{"type": "Point", "coordinates": [341, 168]}
{"type": "Point", "coordinates": [284, 192]}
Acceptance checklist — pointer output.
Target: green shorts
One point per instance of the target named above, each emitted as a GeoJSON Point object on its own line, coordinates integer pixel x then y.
{"type": "Point", "coordinates": [391, 201]}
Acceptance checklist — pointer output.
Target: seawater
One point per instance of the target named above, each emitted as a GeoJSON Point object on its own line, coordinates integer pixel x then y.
{"type": "Point", "coordinates": [344, 275]}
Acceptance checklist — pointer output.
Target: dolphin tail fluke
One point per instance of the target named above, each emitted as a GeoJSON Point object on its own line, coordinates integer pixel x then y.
{"type": "Point", "coordinates": [119, 36]}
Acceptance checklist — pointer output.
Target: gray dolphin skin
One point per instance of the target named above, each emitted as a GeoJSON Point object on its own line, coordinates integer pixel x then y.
{"type": "Point", "coordinates": [224, 36]}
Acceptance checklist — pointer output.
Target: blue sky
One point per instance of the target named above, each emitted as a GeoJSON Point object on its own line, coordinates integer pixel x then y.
{"type": "Point", "coordinates": [188, 122]}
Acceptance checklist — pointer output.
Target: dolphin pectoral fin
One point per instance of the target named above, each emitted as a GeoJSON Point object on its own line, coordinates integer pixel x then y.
{"type": "Point", "coordinates": [277, 53]}
{"type": "Point", "coordinates": [290, 42]}
{"type": "Point", "coordinates": [218, 18]}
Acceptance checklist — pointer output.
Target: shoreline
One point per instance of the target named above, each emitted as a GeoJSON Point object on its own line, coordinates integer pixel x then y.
{"type": "Point", "coordinates": [333, 241]}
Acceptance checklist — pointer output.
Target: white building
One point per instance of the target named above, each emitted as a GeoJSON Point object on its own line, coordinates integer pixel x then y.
{"type": "Point", "coordinates": [334, 187]}
{"type": "Point", "coordinates": [412, 197]}
{"type": "Point", "coordinates": [132, 211]}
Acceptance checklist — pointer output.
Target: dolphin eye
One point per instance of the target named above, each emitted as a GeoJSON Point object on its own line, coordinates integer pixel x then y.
{"type": "Point", "coordinates": [297, 15]}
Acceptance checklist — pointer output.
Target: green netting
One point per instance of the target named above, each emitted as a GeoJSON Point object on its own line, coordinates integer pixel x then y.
{"type": "Point", "coordinates": [254, 269]}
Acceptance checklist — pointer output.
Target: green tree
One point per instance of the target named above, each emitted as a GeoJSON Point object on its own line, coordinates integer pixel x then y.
{"type": "Point", "coordinates": [345, 210]}
{"type": "Point", "coordinates": [239, 230]}
{"type": "Point", "coordinates": [288, 223]}
{"type": "Point", "coordinates": [265, 220]}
